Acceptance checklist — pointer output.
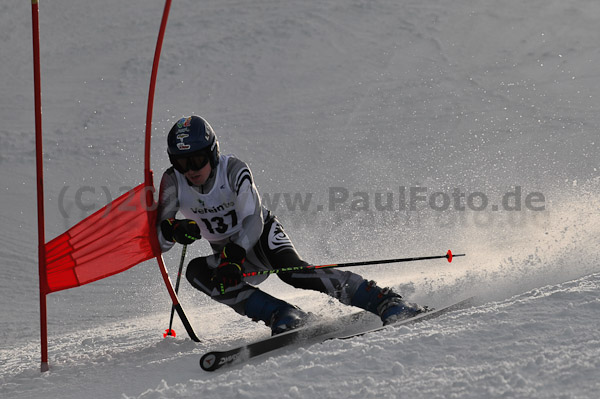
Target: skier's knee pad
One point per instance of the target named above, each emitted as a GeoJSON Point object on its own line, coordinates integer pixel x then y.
{"type": "Point", "coordinates": [198, 273]}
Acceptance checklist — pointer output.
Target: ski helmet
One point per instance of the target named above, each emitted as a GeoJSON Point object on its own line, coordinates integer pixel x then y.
{"type": "Point", "coordinates": [190, 139]}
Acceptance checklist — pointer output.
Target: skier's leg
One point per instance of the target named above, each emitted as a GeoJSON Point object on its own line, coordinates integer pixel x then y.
{"type": "Point", "coordinates": [245, 299]}
{"type": "Point", "coordinates": [352, 289]}
{"type": "Point", "coordinates": [276, 250]}
{"type": "Point", "coordinates": [199, 274]}
{"type": "Point", "coordinates": [348, 287]}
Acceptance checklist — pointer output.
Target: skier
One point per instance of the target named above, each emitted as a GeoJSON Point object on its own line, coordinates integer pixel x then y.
{"type": "Point", "coordinates": [217, 197]}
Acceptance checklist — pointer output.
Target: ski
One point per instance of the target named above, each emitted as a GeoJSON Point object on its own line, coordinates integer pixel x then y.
{"type": "Point", "coordinates": [465, 303]}
{"type": "Point", "coordinates": [214, 360]}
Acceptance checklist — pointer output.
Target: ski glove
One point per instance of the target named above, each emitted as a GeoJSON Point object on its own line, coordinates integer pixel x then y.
{"type": "Point", "coordinates": [231, 269]}
{"type": "Point", "coordinates": [184, 231]}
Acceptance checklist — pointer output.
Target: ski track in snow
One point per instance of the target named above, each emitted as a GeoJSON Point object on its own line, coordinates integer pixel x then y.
{"type": "Point", "coordinates": [364, 95]}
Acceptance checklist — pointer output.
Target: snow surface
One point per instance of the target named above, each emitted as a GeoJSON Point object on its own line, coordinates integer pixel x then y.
{"type": "Point", "coordinates": [363, 96]}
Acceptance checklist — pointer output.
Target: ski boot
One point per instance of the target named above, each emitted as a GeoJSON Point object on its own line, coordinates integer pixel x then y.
{"type": "Point", "coordinates": [287, 319]}
{"type": "Point", "coordinates": [384, 302]}
{"type": "Point", "coordinates": [277, 314]}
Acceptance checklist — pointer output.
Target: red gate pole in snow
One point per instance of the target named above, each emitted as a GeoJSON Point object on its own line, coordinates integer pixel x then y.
{"type": "Point", "coordinates": [148, 175]}
{"type": "Point", "coordinates": [147, 172]}
{"type": "Point", "coordinates": [39, 164]}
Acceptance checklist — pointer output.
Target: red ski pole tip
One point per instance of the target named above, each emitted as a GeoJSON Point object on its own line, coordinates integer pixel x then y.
{"type": "Point", "coordinates": [449, 256]}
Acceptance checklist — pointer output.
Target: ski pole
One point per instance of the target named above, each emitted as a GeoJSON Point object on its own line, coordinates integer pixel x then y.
{"type": "Point", "coordinates": [448, 256]}
{"type": "Point", "coordinates": [170, 331]}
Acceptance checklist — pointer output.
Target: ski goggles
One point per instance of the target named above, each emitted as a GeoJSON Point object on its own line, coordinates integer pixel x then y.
{"type": "Point", "coordinates": [194, 162]}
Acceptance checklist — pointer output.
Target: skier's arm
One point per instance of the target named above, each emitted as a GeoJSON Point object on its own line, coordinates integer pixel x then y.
{"type": "Point", "coordinates": [168, 205]}
{"type": "Point", "coordinates": [247, 205]}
